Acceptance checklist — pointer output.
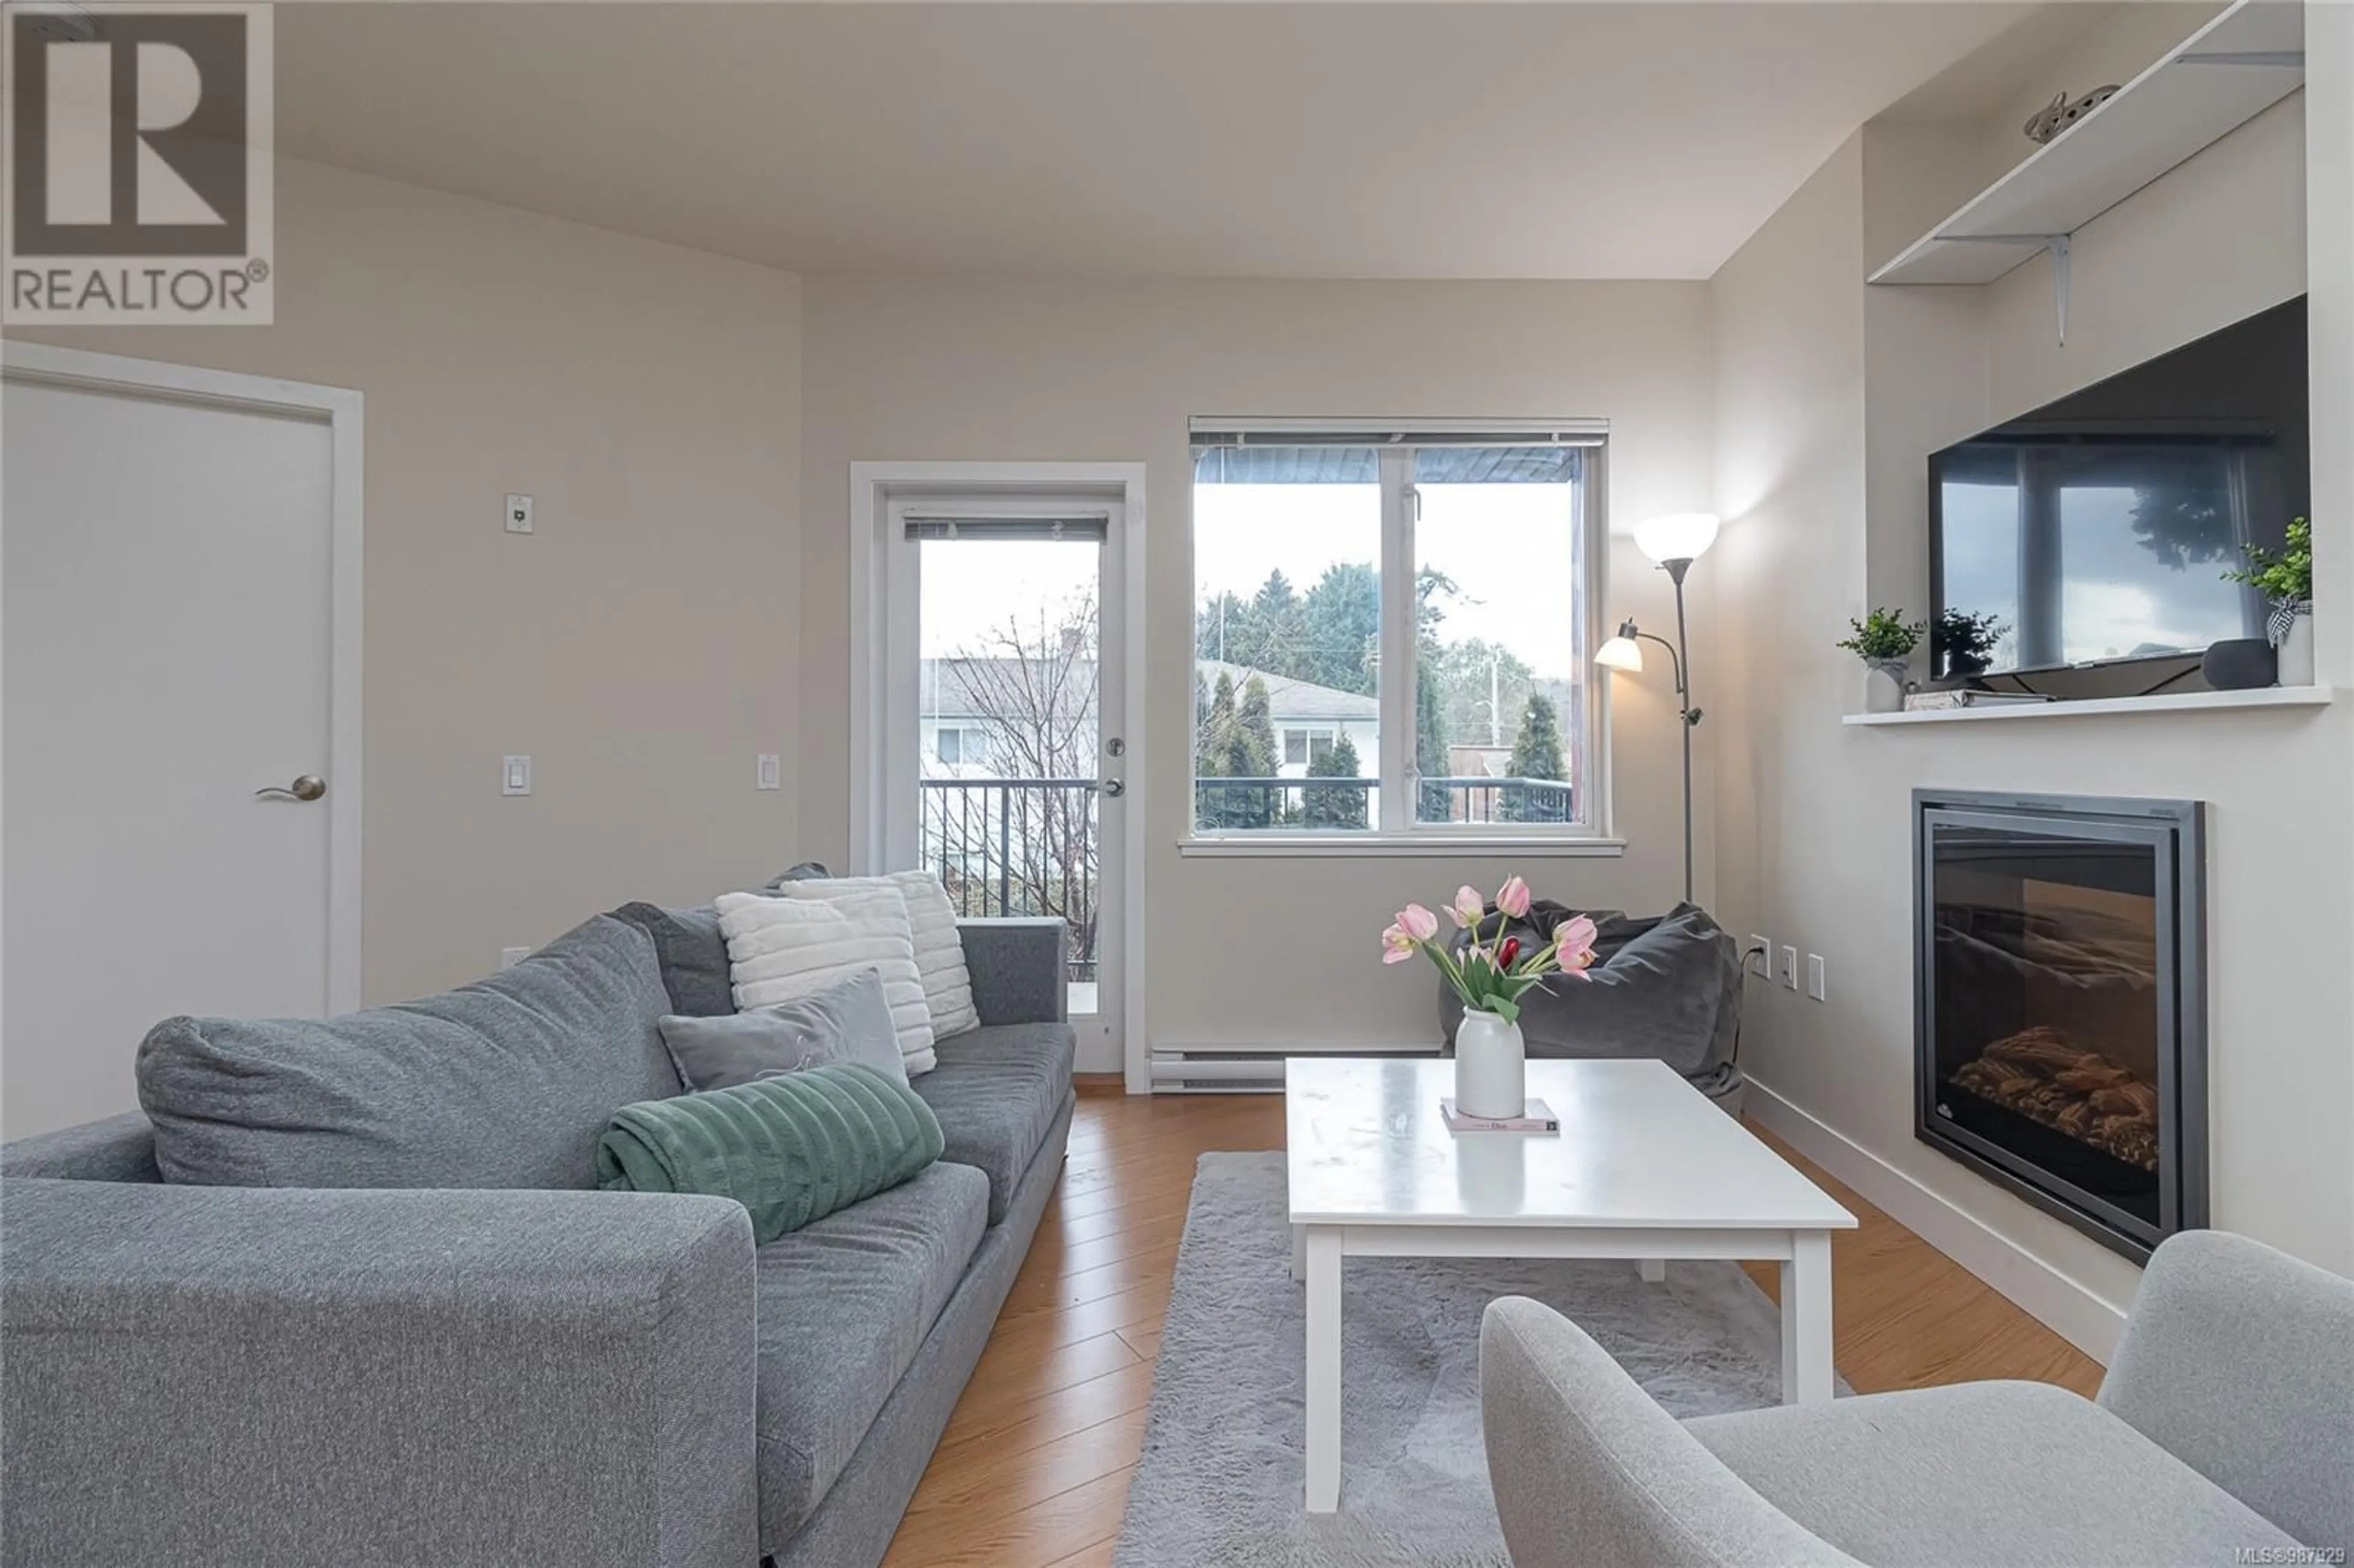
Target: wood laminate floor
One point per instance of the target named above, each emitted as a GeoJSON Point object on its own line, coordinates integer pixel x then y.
{"type": "Point", "coordinates": [1032, 1471]}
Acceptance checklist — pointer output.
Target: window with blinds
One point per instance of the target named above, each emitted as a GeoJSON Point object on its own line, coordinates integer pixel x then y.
{"type": "Point", "coordinates": [1391, 628]}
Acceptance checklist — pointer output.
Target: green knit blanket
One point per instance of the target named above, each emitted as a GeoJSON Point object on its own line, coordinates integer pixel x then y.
{"type": "Point", "coordinates": [792, 1148]}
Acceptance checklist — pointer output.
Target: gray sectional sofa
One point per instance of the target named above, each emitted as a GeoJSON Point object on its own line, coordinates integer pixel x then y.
{"type": "Point", "coordinates": [505, 1368]}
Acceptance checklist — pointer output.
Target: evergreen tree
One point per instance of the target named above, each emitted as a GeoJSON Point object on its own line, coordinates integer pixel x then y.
{"type": "Point", "coordinates": [1215, 806]}
{"type": "Point", "coordinates": [1267, 635]}
{"type": "Point", "coordinates": [1341, 621]}
{"type": "Point", "coordinates": [1536, 754]}
{"type": "Point", "coordinates": [1217, 735]}
{"type": "Point", "coordinates": [1220, 616]}
{"type": "Point", "coordinates": [1430, 732]}
{"type": "Point", "coordinates": [1251, 753]}
{"type": "Point", "coordinates": [1255, 732]}
{"type": "Point", "coordinates": [1334, 805]}
{"type": "Point", "coordinates": [1430, 750]}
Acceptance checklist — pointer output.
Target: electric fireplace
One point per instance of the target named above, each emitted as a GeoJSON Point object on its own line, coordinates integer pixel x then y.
{"type": "Point", "coordinates": [2059, 1004]}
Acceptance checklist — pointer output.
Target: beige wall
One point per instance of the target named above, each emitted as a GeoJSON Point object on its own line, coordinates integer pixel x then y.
{"type": "Point", "coordinates": [1277, 950]}
{"type": "Point", "coordinates": [641, 646]}
{"type": "Point", "coordinates": [1821, 476]}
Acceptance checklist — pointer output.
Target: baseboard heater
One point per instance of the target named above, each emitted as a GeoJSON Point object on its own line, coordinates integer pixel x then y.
{"type": "Point", "coordinates": [1247, 1070]}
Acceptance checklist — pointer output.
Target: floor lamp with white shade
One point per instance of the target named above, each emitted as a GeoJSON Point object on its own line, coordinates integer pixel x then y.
{"type": "Point", "coordinates": [1674, 542]}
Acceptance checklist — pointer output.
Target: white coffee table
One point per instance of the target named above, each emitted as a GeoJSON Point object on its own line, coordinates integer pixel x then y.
{"type": "Point", "coordinates": [1644, 1168]}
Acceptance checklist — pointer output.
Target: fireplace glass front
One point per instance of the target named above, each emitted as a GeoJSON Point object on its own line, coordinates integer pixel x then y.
{"type": "Point", "coordinates": [2054, 1051]}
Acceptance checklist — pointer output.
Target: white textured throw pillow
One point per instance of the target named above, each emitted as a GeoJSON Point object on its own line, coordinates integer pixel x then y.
{"type": "Point", "coordinates": [781, 950]}
{"type": "Point", "coordinates": [932, 923]}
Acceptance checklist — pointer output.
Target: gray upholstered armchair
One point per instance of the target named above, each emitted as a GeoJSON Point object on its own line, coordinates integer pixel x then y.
{"type": "Point", "coordinates": [2225, 1421]}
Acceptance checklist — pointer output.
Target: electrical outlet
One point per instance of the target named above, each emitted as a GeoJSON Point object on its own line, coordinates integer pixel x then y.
{"type": "Point", "coordinates": [1815, 977]}
{"type": "Point", "coordinates": [770, 772]}
{"type": "Point", "coordinates": [1757, 956]}
{"type": "Point", "coordinates": [518, 514]}
{"type": "Point", "coordinates": [510, 956]}
{"type": "Point", "coordinates": [1790, 967]}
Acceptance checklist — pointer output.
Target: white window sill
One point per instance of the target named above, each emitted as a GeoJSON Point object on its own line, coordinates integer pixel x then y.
{"type": "Point", "coordinates": [1376, 846]}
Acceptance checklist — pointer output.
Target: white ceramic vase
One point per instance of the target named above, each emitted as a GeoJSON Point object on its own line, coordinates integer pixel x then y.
{"type": "Point", "coordinates": [1883, 686]}
{"type": "Point", "coordinates": [2294, 653]}
{"type": "Point", "coordinates": [1491, 1077]}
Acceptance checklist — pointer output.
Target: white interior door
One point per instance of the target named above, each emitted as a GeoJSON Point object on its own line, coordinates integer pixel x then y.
{"type": "Point", "coordinates": [1005, 747]}
{"type": "Point", "coordinates": [168, 590]}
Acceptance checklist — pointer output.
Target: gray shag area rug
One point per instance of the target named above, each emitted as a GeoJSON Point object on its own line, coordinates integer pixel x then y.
{"type": "Point", "coordinates": [1220, 1480]}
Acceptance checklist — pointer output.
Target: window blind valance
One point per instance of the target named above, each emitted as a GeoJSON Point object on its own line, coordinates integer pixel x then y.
{"type": "Point", "coordinates": [1362, 465]}
{"type": "Point", "coordinates": [1220, 431]}
{"type": "Point", "coordinates": [1092, 529]}
{"type": "Point", "coordinates": [1349, 451]}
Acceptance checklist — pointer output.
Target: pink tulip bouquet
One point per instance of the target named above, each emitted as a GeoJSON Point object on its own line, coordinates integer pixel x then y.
{"type": "Point", "coordinates": [1490, 978]}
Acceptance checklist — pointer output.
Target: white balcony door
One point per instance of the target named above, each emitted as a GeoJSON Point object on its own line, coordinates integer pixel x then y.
{"type": "Point", "coordinates": [1004, 752]}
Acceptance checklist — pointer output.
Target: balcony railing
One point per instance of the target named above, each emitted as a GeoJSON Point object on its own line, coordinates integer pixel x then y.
{"type": "Point", "coordinates": [1316, 805]}
{"type": "Point", "coordinates": [1018, 846]}
{"type": "Point", "coordinates": [1028, 846]}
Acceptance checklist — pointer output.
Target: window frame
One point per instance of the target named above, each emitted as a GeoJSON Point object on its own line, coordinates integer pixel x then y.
{"type": "Point", "coordinates": [1393, 830]}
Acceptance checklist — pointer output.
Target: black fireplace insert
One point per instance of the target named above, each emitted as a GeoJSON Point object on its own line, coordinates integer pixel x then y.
{"type": "Point", "coordinates": [2059, 1003]}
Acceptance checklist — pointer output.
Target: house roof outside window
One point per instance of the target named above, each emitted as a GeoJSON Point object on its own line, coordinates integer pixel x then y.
{"type": "Point", "coordinates": [1290, 700]}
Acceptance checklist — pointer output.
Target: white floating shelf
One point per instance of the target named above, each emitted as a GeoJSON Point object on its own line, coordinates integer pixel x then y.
{"type": "Point", "coordinates": [2157, 702]}
{"type": "Point", "coordinates": [2224, 75]}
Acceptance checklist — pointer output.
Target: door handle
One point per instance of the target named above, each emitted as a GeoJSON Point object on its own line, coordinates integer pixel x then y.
{"type": "Point", "coordinates": [309, 786]}
{"type": "Point", "coordinates": [1113, 788]}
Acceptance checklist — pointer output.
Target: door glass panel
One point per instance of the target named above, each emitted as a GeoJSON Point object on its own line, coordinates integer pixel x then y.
{"type": "Point", "coordinates": [1008, 702]}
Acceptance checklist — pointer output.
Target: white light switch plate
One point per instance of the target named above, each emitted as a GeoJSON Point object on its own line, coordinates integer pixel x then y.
{"type": "Point", "coordinates": [1790, 967]}
{"type": "Point", "coordinates": [771, 771]}
{"type": "Point", "coordinates": [1815, 976]}
{"type": "Point", "coordinates": [510, 956]}
{"type": "Point", "coordinates": [518, 514]}
{"type": "Point", "coordinates": [514, 778]}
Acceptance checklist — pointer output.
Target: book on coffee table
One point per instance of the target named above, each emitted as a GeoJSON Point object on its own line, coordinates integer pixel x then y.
{"type": "Point", "coordinates": [1535, 1116]}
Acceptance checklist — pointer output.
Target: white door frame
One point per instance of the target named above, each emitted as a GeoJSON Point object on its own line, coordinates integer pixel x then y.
{"type": "Point", "coordinates": [873, 487]}
{"type": "Point", "coordinates": [340, 408]}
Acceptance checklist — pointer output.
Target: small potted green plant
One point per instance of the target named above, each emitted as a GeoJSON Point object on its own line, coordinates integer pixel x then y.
{"type": "Point", "coordinates": [1962, 643]}
{"type": "Point", "coordinates": [1883, 639]}
{"type": "Point", "coordinates": [2285, 576]}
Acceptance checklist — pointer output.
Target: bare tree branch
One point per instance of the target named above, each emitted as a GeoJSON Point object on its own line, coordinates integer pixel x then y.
{"type": "Point", "coordinates": [1029, 847]}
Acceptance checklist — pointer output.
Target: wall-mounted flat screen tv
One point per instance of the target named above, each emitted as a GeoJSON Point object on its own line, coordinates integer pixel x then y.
{"type": "Point", "coordinates": [2098, 529]}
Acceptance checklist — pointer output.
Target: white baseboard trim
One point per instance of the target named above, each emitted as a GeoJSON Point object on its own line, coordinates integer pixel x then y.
{"type": "Point", "coordinates": [2083, 1317]}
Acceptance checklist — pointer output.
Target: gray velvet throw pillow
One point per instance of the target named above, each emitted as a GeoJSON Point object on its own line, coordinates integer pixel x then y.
{"type": "Point", "coordinates": [850, 1022]}
{"type": "Point", "coordinates": [693, 955]}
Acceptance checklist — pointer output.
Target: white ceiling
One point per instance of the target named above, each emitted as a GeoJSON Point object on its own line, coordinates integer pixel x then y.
{"type": "Point", "coordinates": [1331, 141]}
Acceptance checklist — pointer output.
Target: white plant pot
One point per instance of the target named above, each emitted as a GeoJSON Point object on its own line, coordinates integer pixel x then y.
{"type": "Point", "coordinates": [2294, 654]}
{"type": "Point", "coordinates": [1491, 1077]}
{"type": "Point", "coordinates": [1883, 686]}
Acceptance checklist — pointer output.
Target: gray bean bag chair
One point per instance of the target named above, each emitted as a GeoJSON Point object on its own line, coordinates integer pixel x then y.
{"type": "Point", "coordinates": [1668, 986]}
